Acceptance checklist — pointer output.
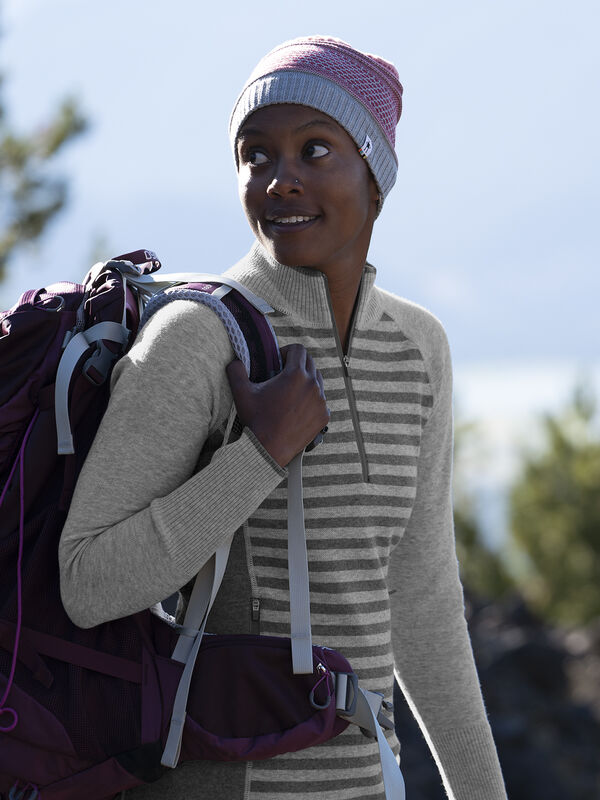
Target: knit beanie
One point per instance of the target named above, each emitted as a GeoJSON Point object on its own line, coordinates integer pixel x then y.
{"type": "Point", "coordinates": [360, 91]}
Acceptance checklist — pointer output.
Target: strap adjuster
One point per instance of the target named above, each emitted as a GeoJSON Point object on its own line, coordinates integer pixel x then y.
{"type": "Point", "coordinates": [346, 693]}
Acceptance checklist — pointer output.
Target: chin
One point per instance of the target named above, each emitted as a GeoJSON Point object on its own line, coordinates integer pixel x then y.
{"type": "Point", "coordinates": [285, 257]}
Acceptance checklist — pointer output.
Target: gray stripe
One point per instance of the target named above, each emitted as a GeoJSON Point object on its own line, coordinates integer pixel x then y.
{"type": "Point", "coordinates": [367, 651]}
{"type": "Point", "coordinates": [283, 765]}
{"type": "Point", "coordinates": [382, 417]}
{"type": "Point", "coordinates": [412, 354]}
{"type": "Point", "coordinates": [396, 376]}
{"type": "Point", "coordinates": [343, 500]}
{"type": "Point", "coordinates": [344, 437]}
{"type": "Point", "coordinates": [327, 631]}
{"type": "Point", "coordinates": [382, 542]}
{"type": "Point", "coordinates": [389, 459]}
{"type": "Point", "coordinates": [338, 565]}
{"type": "Point", "coordinates": [397, 439]}
{"type": "Point", "coordinates": [384, 396]}
{"type": "Point", "coordinates": [379, 675]}
{"type": "Point", "coordinates": [348, 480]}
{"type": "Point", "coordinates": [297, 332]}
{"type": "Point", "coordinates": [332, 523]}
{"type": "Point", "coordinates": [390, 336]}
{"type": "Point", "coordinates": [334, 784]}
{"type": "Point", "coordinates": [326, 608]}
{"type": "Point", "coordinates": [329, 587]}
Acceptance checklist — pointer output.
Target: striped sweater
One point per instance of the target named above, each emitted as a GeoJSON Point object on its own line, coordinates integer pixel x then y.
{"type": "Point", "coordinates": [383, 573]}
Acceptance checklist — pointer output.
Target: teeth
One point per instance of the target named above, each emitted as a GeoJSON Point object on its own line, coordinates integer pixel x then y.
{"type": "Point", "coordinates": [291, 220]}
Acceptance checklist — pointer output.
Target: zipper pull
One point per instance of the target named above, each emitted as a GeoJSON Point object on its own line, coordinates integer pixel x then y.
{"type": "Point", "coordinates": [255, 615]}
{"type": "Point", "coordinates": [346, 360]}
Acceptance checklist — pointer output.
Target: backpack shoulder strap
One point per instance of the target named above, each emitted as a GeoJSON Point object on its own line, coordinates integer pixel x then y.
{"type": "Point", "coordinates": [243, 314]}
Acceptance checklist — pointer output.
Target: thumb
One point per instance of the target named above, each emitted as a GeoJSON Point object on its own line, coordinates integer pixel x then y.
{"type": "Point", "coordinates": [237, 377]}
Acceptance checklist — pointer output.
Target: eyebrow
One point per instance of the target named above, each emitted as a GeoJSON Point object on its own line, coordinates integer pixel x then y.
{"type": "Point", "coordinates": [310, 124]}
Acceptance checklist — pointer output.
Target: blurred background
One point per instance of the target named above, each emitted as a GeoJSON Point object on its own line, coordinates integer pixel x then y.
{"type": "Point", "coordinates": [113, 136]}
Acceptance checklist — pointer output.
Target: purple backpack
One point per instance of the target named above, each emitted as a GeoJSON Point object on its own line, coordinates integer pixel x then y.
{"type": "Point", "coordinates": [87, 713]}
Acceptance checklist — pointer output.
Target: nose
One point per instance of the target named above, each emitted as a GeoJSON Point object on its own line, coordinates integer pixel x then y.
{"type": "Point", "coordinates": [285, 181]}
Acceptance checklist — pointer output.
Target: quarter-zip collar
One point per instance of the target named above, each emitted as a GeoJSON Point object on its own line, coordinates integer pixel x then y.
{"type": "Point", "coordinates": [301, 290]}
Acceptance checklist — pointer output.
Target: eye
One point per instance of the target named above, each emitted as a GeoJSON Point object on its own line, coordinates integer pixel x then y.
{"type": "Point", "coordinates": [316, 150]}
{"type": "Point", "coordinates": [256, 158]}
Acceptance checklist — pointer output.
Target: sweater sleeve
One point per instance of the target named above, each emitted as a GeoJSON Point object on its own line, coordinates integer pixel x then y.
{"type": "Point", "coordinates": [432, 650]}
{"type": "Point", "coordinates": [143, 520]}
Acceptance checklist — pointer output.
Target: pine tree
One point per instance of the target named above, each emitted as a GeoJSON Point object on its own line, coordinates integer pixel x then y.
{"type": "Point", "coordinates": [555, 516]}
{"type": "Point", "coordinates": [31, 195]}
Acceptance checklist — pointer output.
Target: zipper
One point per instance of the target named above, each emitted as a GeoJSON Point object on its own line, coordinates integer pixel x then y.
{"type": "Point", "coordinates": [254, 591]}
{"type": "Point", "coordinates": [345, 361]}
{"type": "Point", "coordinates": [255, 615]}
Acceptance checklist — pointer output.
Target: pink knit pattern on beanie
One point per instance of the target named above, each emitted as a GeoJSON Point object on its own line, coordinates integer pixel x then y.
{"type": "Point", "coordinates": [361, 92]}
{"type": "Point", "coordinates": [370, 79]}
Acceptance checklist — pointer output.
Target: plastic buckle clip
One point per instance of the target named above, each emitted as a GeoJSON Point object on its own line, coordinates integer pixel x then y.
{"type": "Point", "coordinates": [98, 365]}
{"type": "Point", "coordinates": [346, 693]}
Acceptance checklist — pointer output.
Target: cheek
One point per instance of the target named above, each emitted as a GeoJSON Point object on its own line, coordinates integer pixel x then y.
{"type": "Point", "coordinates": [247, 196]}
{"type": "Point", "coordinates": [360, 187]}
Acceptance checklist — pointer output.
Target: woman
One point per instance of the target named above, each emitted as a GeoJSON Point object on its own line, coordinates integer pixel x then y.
{"type": "Point", "coordinates": [313, 136]}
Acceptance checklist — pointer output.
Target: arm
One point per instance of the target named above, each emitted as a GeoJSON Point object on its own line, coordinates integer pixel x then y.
{"type": "Point", "coordinates": [432, 651]}
{"type": "Point", "coordinates": [142, 521]}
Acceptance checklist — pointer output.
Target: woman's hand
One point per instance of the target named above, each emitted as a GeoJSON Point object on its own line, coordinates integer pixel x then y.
{"type": "Point", "coordinates": [286, 412]}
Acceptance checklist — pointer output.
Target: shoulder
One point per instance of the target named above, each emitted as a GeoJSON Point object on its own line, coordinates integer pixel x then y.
{"type": "Point", "coordinates": [181, 338]}
{"type": "Point", "coordinates": [182, 327]}
{"type": "Point", "coordinates": [419, 324]}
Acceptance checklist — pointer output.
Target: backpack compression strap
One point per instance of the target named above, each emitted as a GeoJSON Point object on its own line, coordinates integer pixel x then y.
{"type": "Point", "coordinates": [77, 346]}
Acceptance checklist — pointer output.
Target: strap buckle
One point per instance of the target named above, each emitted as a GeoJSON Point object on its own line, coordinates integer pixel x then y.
{"type": "Point", "coordinates": [361, 706]}
{"type": "Point", "coordinates": [346, 693]}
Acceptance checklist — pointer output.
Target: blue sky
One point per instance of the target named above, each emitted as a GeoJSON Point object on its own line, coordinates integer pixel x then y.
{"type": "Point", "coordinates": [493, 223]}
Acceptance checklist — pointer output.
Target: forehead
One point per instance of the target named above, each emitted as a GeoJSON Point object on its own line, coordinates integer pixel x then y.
{"type": "Point", "coordinates": [289, 118]}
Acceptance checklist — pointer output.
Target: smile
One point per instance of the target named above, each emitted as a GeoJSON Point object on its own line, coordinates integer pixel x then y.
{"type": "Point", "coordinates": [295, 220]}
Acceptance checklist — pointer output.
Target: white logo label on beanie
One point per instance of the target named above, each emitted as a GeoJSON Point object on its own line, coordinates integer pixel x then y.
{"type": "Point", "coordinates": [365, 150]}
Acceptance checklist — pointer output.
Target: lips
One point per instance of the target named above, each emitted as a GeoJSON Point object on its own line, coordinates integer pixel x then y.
{"type": "Point", "coordinates": [290, 220]}
{"type": "Point", "coordinates": [287, 218]}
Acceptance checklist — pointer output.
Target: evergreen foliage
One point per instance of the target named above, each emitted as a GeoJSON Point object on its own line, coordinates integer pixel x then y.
{"type": "Point", "coordinates": [555, 516]}
{"type": "Point", "coordinates": [482, 569]}
{"type": "Point", "coordinates": [30, 193]}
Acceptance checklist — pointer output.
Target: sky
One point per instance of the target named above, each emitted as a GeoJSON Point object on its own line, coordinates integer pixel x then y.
{"type": "Point", "coordinates": [493, 222]}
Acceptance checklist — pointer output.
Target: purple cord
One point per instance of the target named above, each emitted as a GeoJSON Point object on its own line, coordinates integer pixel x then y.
{"type": "Point", "coordinates": [19, 460]}
{"type": "Point", "coordinates": [325, 676]}
{"type": "Point", "coordinates": [21, 796]}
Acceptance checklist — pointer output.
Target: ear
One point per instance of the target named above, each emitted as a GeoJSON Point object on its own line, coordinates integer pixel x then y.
{"type": "Point", "coordinates": [375, 196]}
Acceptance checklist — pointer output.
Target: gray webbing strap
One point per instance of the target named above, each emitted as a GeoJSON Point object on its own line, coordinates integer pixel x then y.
{"type": "Point", "coordinates": [393, 781]}
{"type": "Point", "coordinates": [203, 595]}
{"type": "Point", "coordinates": [300, 634]}
{"type": "Point", "coordinates": [368, 715]}
{"type": "Point", "coordinates": [170, 756]}
{"type": "Point", "coordinates": [154, 283]}
{"type": "Point", "coordinates": [201, 600]}
{"type": "Point", "coordinates": [111, 331]}
{"type": "Point", "coordinates": [186, 650]}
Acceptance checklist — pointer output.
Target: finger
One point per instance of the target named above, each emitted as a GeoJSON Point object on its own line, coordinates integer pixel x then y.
{"type": "Point", "coordinates": [321, 384]}
{"type": "Point", "coordinates": [311, 367]}
{"type": "Point", "coordinates": [294, 356]}
{"type": "Point", "coordinates": [237, 376]}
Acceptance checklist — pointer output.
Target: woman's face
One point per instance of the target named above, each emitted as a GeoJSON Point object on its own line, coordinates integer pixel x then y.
{"type": "Point", "coordinates": [308, 195]}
